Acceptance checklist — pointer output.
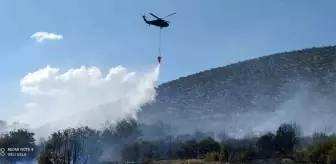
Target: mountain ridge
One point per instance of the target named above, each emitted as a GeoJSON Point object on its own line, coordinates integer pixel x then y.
{"type": "Point", "coordinates": [244, 61]}
{"type": "Point", "coordinates": [260, 84]}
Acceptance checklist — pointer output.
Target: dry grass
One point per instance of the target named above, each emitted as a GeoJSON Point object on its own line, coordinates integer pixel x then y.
{"type": "Point", "coordinates": [189, 161]}
{"type": "Point", "coordinates": [200, 161]}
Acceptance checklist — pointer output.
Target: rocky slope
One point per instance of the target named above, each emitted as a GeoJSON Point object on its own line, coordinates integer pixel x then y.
{"type": "Point", "coordinates": [243, 97]}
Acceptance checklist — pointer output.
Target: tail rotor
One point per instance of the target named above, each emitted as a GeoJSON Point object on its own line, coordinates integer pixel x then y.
{"type": "Point", "coordinates": [145, 18]}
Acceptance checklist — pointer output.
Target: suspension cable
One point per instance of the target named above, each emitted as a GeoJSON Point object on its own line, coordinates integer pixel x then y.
{"type": "Point", "coordinates": [160, 35]}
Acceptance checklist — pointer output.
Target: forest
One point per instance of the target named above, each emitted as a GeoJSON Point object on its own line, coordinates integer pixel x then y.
{"type": "Point", "coordinates": [130, 141]}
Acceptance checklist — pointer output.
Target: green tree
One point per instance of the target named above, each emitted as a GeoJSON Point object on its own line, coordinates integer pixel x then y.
{"type": "Point", "coordinates": [139, 151]}
{"type": "Point", "coordinates": [266, 146]}
{"type": "Point", "coordinates": [188, 150]}
{"type": "Point", "coordinates": [127, 130]}
{"type": "Point", "coordinates": [75, 146]}
{"type": "Point", "coordinates": [208, 145]}
{"type": "Point", "coordinates": [287, 136]}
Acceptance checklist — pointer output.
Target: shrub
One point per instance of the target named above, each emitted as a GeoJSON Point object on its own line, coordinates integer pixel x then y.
{"type": "Point", "coordinates": [320, 151]}
{"type": "Point", "coordinates": [249, 155]}
{"type": "Point", "coordinates": [241, 150]}
{"type": "Point", "coordinates": [301, 156]}
{"type": "Point", "coordinates": [208, 145]}
{"type": "Point", "coordinates": [266, 145]}
{"type": "Point", "coordinates": [224, 154]}
{"type": "Point", "coordinates": [331, 157]}
{"type": "Point", "coordinates": [212, 157]}
{"type": "Point", "coordinates": [242, 155]}
{"type": "Point", "coordinates": [235, 157]}
{"type": "Point", "coordinates": [148, 161]}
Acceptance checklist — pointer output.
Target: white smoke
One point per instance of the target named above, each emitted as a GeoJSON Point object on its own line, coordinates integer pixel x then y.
{"type": "Point", "coordinates": [83, 97]}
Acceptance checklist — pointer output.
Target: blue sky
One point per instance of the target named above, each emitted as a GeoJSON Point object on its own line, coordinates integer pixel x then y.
{"type": "Point", "coordinates": [203, 34]}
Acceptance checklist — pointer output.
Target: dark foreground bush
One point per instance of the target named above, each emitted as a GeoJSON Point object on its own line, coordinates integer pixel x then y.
{"type": "Point", "coordinates": [331, 158]}
{"type": "Point", "coordinates": [212, 157]}
{"type": "Point", "coordinates": [323, 152]}
{"type": "Point", "coordinates": [148, 161]}
{"type": "Point", "coordinates": [301, 156]}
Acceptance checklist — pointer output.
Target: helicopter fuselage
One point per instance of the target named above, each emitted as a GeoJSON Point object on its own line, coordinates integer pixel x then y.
{"type": "Point", "coordinates": [158, 22]}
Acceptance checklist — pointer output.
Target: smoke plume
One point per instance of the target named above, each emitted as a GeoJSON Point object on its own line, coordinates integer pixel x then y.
{"type": "Point", "coordinates": [83, 97]}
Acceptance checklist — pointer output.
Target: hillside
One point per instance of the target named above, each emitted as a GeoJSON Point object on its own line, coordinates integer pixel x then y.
{"type": "Point", "coordinates": [244, 90]}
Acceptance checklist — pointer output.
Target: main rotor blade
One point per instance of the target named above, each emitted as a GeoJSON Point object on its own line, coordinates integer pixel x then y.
{"type": "Point", "coordinates": [169, 15]}
{"type": "Point", "coordinates": [154, 16]}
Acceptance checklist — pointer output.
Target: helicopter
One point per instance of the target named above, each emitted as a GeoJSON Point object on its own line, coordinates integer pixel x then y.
{"type": "Point", "coordinates": [159, 22]}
